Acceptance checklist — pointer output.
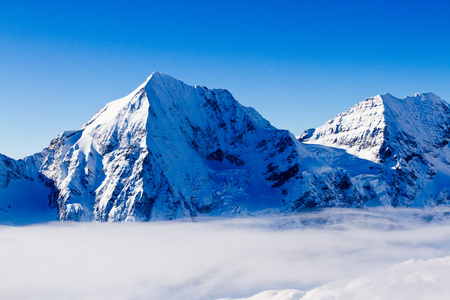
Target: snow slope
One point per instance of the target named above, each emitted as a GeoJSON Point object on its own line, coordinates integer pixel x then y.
{"type": "Point", "coordinates": [412, 279]}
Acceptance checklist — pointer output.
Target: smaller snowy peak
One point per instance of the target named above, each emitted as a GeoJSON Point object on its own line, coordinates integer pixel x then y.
{"type": "Point", "coordinates": [408, 138]}
{"type": "Point", "coordinates": [372, 128]}
{"type": "Point", "coordinates": [360, 130]}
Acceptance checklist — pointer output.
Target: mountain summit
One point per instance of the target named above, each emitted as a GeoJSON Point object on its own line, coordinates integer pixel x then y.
{"type": "Point", "coordinates": [169, 150]}
{"type": "Point", "coordinates": [381, 126]}
{"type": "Point", "coordinates": [151, 155]}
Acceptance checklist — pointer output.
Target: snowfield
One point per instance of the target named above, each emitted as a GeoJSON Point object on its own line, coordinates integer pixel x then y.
{"type": "Point", "coordinates": [378, 253]}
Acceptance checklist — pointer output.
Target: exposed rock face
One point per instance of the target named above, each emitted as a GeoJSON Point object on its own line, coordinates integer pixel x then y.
{"type": "Point", "coordinates": [169, 150]}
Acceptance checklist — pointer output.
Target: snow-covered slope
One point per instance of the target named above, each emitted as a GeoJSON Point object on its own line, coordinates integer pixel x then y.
{"type": "Point", "coordinates": [383, 126]}
{"type": "Point", "coordinates": [412, 279]}
{"type": "Point", "coordinates": [274, 295]}
{"type": "Point", "coordinates": [407, 138]}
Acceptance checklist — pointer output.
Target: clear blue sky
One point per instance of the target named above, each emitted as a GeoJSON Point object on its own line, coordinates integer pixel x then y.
{"type": "Point", "coordinates": [298, 63]}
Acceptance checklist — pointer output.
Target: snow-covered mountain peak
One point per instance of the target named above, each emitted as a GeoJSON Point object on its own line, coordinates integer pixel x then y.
{"type": "Point", "coordinates": [158, 78]}
{"type": "Point", "coordinates": [407, 137]}
{"type": "Point", "coordinates": [364, 122]}
{"type": "Point", "coordinates": [169, 150]}
{"type": "Point", "coordinates": [371, 129]}
{"type": "Point", "coordinates": [114, 109]}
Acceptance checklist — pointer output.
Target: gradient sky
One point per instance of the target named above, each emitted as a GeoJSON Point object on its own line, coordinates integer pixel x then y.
{"type": "Point", "coordinates": [299, 63]}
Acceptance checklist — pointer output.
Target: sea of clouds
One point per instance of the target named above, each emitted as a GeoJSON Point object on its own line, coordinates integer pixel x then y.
{"type": "Point", "coordinates": [215, 258]}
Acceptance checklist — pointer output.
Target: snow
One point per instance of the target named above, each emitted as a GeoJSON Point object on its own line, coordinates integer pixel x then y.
{"type": "Point", "coordinates": [358, 254]}
{"type": "Point", "coordinates": [112, 109]}
{"type": "Point", "coordinates": [275, 295]}
{"type": "Point", "coordinates": [412, 279]}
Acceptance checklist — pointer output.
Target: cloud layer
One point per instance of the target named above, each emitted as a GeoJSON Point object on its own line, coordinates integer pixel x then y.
{"type": "Point", "coordinates": [207, 259]}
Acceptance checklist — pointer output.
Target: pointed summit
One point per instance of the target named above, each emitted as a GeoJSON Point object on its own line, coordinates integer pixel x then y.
{"type": "Point", "coordinates": [170, 150]}
{"type": "Point", "coordinates": [408, 137]}
{"type": "Point", "coordinates": [158, 78]}
{"type": "Point", "coordinates": [161, 83]}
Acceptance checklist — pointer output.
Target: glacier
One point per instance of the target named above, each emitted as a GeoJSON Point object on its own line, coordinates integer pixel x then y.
{"type": "Point", "coordinates": [169, 150]}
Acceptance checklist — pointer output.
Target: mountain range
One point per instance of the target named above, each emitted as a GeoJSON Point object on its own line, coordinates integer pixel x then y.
{"type": "Point", "coordinates": [169, 150]}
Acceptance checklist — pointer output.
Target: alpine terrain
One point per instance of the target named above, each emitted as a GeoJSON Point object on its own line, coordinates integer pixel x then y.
{"type": "Point", "coordinates": [169, 150]}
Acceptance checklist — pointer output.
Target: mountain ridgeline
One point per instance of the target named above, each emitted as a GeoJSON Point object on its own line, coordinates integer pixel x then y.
{"type": "Point", "coordinates": [169, 150]}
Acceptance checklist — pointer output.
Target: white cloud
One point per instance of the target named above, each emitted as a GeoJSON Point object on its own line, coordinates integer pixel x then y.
{"type": "Point", "coordinates": [208, 259]}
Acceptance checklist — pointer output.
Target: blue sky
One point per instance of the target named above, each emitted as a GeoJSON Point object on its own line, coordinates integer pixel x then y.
{"type": "Point", "coordinates": [298, 63]}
